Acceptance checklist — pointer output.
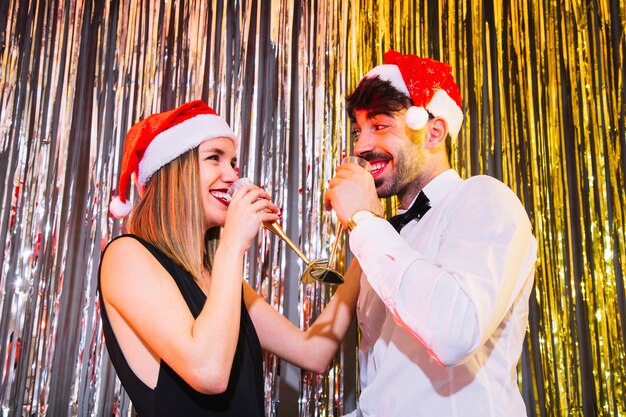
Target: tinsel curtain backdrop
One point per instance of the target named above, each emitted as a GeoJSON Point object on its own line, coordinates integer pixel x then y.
{"type": "Point", "coordinates": [545, 105]}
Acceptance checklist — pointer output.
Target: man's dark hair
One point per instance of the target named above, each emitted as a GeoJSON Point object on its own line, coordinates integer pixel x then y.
{"type": "Point", "coordinates": [376, 96]}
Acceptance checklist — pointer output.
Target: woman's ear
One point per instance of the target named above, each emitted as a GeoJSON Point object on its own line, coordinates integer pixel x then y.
{"type": "Point", "coordinates": [437, 132]}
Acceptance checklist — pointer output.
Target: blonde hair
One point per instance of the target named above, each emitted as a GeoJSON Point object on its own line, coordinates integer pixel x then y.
{"type": "Point", "coordinates": [169, 215]}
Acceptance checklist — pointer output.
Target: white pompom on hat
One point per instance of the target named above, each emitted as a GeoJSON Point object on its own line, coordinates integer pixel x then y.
{"type": "Point", "coordinates": [159, 139]}
{"type": "Point", "coordinates": [428, 83]}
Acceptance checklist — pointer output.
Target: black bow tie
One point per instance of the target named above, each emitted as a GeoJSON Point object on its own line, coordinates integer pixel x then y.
{"type": "Point", "coordinates": [416, 211]}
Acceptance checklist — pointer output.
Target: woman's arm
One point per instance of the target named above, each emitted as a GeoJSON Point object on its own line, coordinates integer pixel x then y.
{"type": "Point", "coordinates": [143, 294]}
{"type": "Point", "coordinates": [150, 308]}
{"type": "Point", "coordinates": [314, 348]}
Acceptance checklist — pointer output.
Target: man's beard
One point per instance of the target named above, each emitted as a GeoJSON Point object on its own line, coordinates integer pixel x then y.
{"type": "Point", "coordinates": [396, 185]}
{"type": "Point", "coordinates": [407, 174]}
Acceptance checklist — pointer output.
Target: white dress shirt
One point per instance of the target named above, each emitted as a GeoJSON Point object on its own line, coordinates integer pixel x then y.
{"type": "Point", "coordinates": [443, 307]}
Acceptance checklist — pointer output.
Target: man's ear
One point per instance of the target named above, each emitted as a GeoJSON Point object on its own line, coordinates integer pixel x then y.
{"type": "Point", "coordinates": [437, 133]}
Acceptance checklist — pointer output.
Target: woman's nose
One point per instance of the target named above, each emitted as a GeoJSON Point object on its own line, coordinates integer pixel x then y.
{"type": "Point", "coordinates": [231, 175]}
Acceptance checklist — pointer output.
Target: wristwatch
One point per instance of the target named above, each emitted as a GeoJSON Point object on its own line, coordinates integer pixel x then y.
{"type": "Point", "coordinates": [358, 217]}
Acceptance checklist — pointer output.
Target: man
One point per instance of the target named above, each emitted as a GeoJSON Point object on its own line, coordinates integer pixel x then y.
{"type": "Point", "coordinates": [443, 305]}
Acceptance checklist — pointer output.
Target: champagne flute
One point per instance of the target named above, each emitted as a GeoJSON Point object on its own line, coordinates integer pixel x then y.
{"type": "Point", "coordinates": [318, 269]}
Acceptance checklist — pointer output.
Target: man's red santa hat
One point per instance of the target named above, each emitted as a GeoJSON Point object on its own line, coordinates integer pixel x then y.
{"type": "Point", "coordinates": [428, 83]}
{"type": "Point", "coordinates": [159, 139]}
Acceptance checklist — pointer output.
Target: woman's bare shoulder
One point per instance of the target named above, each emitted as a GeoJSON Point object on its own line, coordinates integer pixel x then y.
{"type": "Point", "coordinates": [127, 259]}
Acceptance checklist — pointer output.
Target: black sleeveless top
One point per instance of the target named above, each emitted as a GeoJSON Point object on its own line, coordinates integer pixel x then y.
{"type": "Point", "coordinates": [172, 396]}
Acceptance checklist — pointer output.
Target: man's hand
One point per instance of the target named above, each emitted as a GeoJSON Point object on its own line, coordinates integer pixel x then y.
{"type": "Point", "coordinates": [351, 189]}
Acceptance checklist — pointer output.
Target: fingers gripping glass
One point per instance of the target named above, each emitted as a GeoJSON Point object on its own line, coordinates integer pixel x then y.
{"type": "Point", "coordinates": [330, 264]}
{"type": "Point", "coordinates": [317, 270]}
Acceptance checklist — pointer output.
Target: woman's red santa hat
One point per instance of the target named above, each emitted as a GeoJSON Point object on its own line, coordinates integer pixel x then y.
{"type": "Point", "coordinates": [159, 139]}
{"type": "Point", "coordinates": [428, 83]}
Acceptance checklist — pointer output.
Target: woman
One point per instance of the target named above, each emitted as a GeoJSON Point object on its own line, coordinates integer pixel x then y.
{"type": "Point", "coordinates": [183, 329]}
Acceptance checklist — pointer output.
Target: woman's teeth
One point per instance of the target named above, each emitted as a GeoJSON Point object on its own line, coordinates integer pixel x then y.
{"type": "Point", "coordinates": [220, 195]}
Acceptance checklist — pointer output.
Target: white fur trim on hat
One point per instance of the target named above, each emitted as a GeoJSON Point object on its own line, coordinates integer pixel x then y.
{"type": "Point", "coordinates": [443, 106]}
{"type": "Point", "coordinates": [391, 73]}
{"type": "Point", "coordinates": [120, 209]}
{"type": "Point", "coordinates": [416, 117]}
{"type": "Point", "coordinates": [173, 142]}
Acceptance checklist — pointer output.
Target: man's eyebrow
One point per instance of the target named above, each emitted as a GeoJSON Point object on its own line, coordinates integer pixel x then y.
{"type": "Point", "coordinates": [375, 113]}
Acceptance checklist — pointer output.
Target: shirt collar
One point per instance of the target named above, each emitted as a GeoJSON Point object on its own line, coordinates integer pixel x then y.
{"type": "Point", "coordinates": [439, 187]}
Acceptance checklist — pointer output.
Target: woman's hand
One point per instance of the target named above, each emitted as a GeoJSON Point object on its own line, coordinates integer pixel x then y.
{"type": "Point", "coordinates": [249, 207]}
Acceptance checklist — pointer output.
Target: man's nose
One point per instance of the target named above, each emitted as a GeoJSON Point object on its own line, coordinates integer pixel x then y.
{"type": "Point", "coordinates": [364, 145]}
